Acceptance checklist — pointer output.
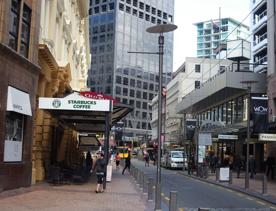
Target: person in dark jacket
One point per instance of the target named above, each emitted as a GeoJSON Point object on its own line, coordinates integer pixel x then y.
{"type": "Point", "coordinates": [100, 172]}
{"type": "Point", "coordinates": [238, 165]}
{"type": "Point", "coordinates": [88, 162]}
{"type": "Point", "coordinates": [252, 166]}
{"type": "Point", "coordinates": [127, 163]}
{"type": "Point", "coordinates": [270, 163]}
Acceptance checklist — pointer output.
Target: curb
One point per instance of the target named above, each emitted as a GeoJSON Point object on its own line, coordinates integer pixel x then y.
{"type": "Point", "coordinates": [266, 198]}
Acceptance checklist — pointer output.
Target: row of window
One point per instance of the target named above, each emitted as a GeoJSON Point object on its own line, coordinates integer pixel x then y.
{"type": "Point", "coordinates": [145, 7]}
{"type": "Point", "coordinates": [134, 93]}
{"type": "Point", "coordinates": [231, 112]}
{"type": "Point", "coordinates": [103, 28]}
{"type": "Point", "coordinates": [101, 9]}
{"type": "Point", "coordinates": [142, 15]}
{"type": "Point", "coordinates": [136, 83]}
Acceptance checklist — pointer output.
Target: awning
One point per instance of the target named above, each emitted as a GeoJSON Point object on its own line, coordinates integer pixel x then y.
{"type": "Point", "coordinates": [18, 101]}
{"type": "Point", "coordinates": [84, 119]}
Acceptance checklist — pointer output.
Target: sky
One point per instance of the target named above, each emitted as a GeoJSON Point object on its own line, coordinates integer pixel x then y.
{"type": "Point", "coordinates": [188, 12]}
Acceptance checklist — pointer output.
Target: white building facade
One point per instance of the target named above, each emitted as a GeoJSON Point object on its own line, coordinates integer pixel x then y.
{"type": "Point", "coordinates": [212, 33]}
{"type": "Point", "coordinates": [259, 34]}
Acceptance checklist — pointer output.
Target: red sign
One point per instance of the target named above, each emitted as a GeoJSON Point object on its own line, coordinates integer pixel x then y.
{"type": "Point", "coordinates": [98, 96]}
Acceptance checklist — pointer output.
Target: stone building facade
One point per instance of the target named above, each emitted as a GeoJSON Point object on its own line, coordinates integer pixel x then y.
{"type": "Point", "coordinates": [64, 58]}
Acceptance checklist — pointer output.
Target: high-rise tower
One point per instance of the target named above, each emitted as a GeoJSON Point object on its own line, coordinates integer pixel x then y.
{"type": "Point", "coordinates": [119, 26]}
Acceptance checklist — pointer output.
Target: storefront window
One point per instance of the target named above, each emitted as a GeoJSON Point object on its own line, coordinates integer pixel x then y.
{"type": "Point", "coordinates": [13, 137]}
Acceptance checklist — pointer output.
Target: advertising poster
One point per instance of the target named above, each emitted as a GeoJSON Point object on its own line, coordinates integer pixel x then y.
{"type": "Point", "coordinates": [259, 114]}
{"type": "Point", "coordinates": [201, 153]}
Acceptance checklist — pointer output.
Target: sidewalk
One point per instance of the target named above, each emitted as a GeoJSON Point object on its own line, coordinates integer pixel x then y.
{"type": "Point", "coordinates": [120, 194]}
{"type": "Point", "coordinates": [238, 184]}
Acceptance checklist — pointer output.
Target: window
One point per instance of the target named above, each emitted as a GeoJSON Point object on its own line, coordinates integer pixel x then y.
{"type": "Point", "coordinates": [145, 105]}
{"type": "Point", "coordinates": [132, 82]}
{"type": "Point", "coordinates": [131, 102]}
{"type": "Point", "coordinates": [153, 11]}
{"type": "Point", "coordinates": [118, 79]}
{"type": "Point", "coordinates": [102, 28]}
{"type": "Point", "coordinates": [145, 95]}
{"type": "Point", "coordinates": [95, 29]}
{"type": "Point", "coordinates": [147, 17]}
{"type": "Point", "coordinates": [121, 6]}
{"type": "Point", "coordinates": [153, 19]}
{"type": "Point", "coordinates": [138, 104]}
{"type": "Point", "coordinates": [141, 15]}
{"type": "Point", "coordinates": [125, 81]}
{"type": "Point", "coordinates": [147, 8]}
{"type": "Point", "coordinates": [125, 91]}
{"type": "Point", "coordinates": [144, 115]}
{"type": "Point", "coordinates": [25, 31]}
{"type": "Point", "coordinates": [118, 90]}
{"type": "Point", "coordinates": [13, 136]}
{"type": "Point", "coordinates": [134, 12]}
{"type": "Point", "coordinates": [14, 24]}
{"type": "Point", "coordinates": [197, 68]}
{"type": "Point", "coordinates": [125, 101]}
{"type": "Point", "coordinates": [14, 36]}
{"type": "Point", "coordinates": [150, 96]}
{"type": "Point", "coordinates": [135, 3]}
{"type": "Point", "coordinates": [131, 93]}
{"type": "Point", "coordinates": [159, 13]}
{"type": "Point", "coordinates": [128, 1]}
{"type": "Point", "coordinates": [104, 8]}
{"type": "Point", "coordinates": [96, 10]}
{"type": "Point", "coordinates": [128, 9]}
{"type": "Point", "coordinates": [138, 94]}
{"type": "Point", "coordinates": [139, 84]}
{"type": "Point", "coordinates": [197, 84]}
{"type": "Point", "coordinates": [141, 5]}
{"type": "Point", "coordinates": [111, 6]}
{"type": "Point", "coordinates": [145, 85]}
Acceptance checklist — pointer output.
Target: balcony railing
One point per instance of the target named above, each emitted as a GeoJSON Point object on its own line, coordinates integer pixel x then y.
{"type": "Point", "coordinates": [260, 39]}
{"type": "Point", "coordinates": [259, 17]}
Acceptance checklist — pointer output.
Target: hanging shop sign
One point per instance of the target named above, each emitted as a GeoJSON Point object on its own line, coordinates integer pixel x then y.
{"type": "Point", "coordinates": [205, 139]}
{"type": "Point", "coordinates": [259, 114]}
{"type": "Point", "coordinates": [18, 101]}
{"type": "Point", "coordinates": [75, 101]}
{"type": "Point", "coordinates": [98, 96]}
{"type": "Point", "coordinates": [267, 137]}
{"type": "Point", "coordinates": [227, 137]}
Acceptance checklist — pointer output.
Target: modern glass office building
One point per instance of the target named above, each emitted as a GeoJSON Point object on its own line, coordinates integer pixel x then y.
{"type": "Point", "coordinates": [212, 33]}
{"type": "Point", "coordinates": [117, 27]}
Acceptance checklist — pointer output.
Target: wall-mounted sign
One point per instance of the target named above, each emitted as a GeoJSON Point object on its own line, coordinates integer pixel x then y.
{"type": "Point", "coordinates": [204, 139]}
{"type": "Point", "coordinates": [76, 102]}
{"type": "Point", "coordinates": [18, 101]}
{"type": "Point", "coordinates": [267, 137]}
{"type": "Point", "coordinates": [227, 137]}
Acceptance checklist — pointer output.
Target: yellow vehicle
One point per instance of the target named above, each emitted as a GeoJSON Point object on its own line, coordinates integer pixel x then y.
{"type": "Point", "coordinates": [123, 151]}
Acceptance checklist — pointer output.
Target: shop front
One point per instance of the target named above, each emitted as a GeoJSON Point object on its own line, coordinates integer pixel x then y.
{"type": "Point", "coordinates": [17, 101]}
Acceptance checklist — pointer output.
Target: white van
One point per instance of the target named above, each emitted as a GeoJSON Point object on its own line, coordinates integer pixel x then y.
{"type": "Point", "coordinates": [174, 159]}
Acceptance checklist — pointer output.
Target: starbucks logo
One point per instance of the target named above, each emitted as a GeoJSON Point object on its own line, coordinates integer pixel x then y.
{"type": "Point", "coordinates": [56, 103]}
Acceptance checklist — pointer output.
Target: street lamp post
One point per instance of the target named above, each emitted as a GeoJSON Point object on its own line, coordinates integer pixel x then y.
{"type": "Point", "coordinates": [160, 29]}
{"type": "Point", "coordinates": [248, 135]}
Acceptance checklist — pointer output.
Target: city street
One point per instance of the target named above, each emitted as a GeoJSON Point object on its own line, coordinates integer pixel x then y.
{"type": "Point", "coordinates": [192, 193]}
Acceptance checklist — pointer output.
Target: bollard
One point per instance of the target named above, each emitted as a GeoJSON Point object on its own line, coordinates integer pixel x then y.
{"type": "Point", "coordinates": [150, 189]}
{"type": "Point", "coordinates": [264, 191]}
{"type": "Point", "coordinates": [173, 201]}
{"type": "Point", "coordinates": [217, 174]}
{"type": "Point", "coordinates": [145, 184]}
{"type": "Point", "coordinates": [230, 177]}
{"type": "Point", "coordinates": [141, 180]}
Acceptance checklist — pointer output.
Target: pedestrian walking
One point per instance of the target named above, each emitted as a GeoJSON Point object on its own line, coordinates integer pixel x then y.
{"type": "Point", "coordinates": [88, 162]}
{"type": "Point", "coordinates": [127, 163]}
{"type": "Point", "coordinates": [117, 161]}
{"type": "Point", "coordinates": [146, 158]}
{"type": "Point", "coordinates": [252, 166]}
{"type": "Point", "coordinates": [238, 165]}
{"type": "Point", "coordinates": [100, 172]}
{"type": "Point", "coordinates": [270, 163]}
